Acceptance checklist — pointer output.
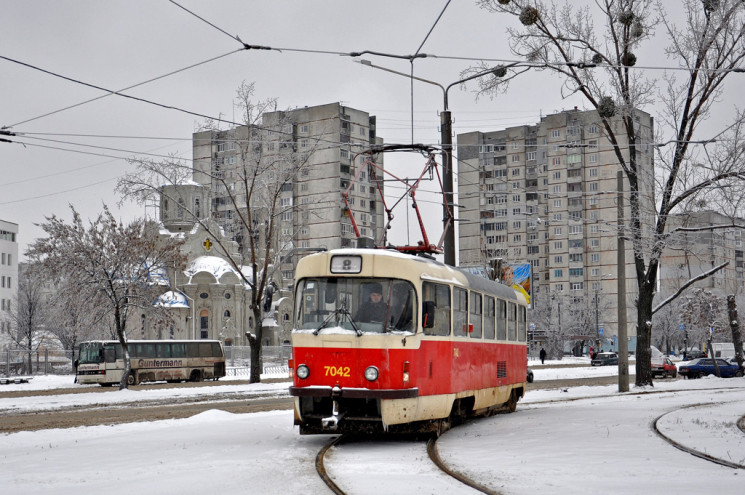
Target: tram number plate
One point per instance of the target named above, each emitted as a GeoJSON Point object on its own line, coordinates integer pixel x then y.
{"type": "Point", "coordinates": [337, 371]}
{"type": "Point", "coordinates": [346, 264]}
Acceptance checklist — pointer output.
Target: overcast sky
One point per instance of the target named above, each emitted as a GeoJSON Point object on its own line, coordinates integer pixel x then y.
{"type": "Point", "coordinates": [117, 44]}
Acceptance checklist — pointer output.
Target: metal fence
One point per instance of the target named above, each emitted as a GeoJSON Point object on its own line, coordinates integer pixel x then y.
{"type": "Point", "coordinates": [59, 362]}
{"type": "Point", "coordinates": [39, 362]}
{"type": "Point", "coordinates": [238, 360]}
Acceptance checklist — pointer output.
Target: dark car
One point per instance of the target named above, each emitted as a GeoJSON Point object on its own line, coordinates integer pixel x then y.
{"type": "Point", "coordinates": [663, 367]}
{"type": "Point", "coordinates": [694, 354]}
{"type": "Point", "coordinates": [705, 366]}
{"type": "Point", "coordinates": [605, 359]}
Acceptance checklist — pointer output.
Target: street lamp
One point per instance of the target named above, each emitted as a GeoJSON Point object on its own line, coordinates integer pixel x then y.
{"type": "Point", "coordinates": [446, 137]}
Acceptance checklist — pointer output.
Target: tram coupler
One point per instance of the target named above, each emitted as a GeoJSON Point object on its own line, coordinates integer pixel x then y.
{"type": "Point", "coordinates": [332, 421]}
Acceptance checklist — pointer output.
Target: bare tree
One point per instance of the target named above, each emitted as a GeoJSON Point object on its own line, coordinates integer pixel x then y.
{"type": "Point", "coordinates": [116, 263]}
{"type": "Point", "coordinates": [597, 62]}
{"type": "Point", "coordinates": [27, 316]}
{"type": "Point", "coordinates": [268, 164]}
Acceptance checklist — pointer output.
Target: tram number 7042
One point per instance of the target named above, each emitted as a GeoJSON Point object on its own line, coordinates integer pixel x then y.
{"type": "Point", "coordinates": [337, 371]}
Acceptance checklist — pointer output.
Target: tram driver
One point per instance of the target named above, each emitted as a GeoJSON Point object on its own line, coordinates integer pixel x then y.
{"type": "Point", "coordinates": [374, 310]}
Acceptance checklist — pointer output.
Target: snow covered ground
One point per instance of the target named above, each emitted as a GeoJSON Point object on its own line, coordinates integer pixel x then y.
{"type": "Point", "coordinates": [576, 440]}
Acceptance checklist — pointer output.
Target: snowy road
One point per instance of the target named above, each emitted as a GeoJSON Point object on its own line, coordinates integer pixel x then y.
{"type": "Point", "coordinates": [572, 442]}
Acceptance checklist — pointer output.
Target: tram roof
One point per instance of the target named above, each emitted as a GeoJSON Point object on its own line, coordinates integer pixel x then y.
{"type": "Point", "coordinates": [441, 272]}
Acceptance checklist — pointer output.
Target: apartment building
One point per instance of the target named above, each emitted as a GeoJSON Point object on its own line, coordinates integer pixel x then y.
{"type": "Point", "coordinates": [546, 195]}
{"type": "Point", "coordinates": [709, 240]}
{"type": "Point", "coordinates": [8, 271]}
{"type": "Point", "coordinates": [310, 155]}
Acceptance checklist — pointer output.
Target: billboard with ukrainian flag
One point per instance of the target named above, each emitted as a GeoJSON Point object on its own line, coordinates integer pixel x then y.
{"type": "Point", "coordinates": [519, 277]}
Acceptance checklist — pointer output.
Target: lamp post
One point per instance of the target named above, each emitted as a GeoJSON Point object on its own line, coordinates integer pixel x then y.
{"type": "Point", "coordinates": [446, 138]}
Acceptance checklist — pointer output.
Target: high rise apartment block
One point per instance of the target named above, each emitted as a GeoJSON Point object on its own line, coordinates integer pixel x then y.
{"type": "Point", "coordinates": [546, 194]}
{"type": "Point", "coordinates": [312, 154]}
{"type": "Point", "coordinates": [701, 241]}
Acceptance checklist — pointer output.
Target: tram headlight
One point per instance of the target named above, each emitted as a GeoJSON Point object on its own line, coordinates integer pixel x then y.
{"type": "Point", "coordinates": [302, 371]}
{"type": "Point", "coordinates": [371, 373]}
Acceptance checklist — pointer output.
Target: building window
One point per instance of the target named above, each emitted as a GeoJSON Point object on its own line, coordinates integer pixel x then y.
{"type": "Point", "coordinates": [595, 257]}
{"type": "Point", "coordinates": [593, 172]}
{"type": "Point", "coordinates": [558, 273]}
{"type": "Point", "coordinates": [577, 286]}
{"type": "Point", "coordinates": [576, 272]}
{"type": "Point", "coordinates": [556, 133]}
{"type": "Point", "coordinates": [557, 160]}
{"type": "Point", "coordinates": [593, 158]}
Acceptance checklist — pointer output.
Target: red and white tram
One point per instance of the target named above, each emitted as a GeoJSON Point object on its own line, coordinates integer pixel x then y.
{"type": "Point", "coordinates": [448, 345]}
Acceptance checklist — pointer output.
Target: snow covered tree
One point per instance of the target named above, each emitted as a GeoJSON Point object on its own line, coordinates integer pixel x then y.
{"type": "Point", "coordinates": [75, 316]}
{"type": "Point", "coordinates": [27, 316]}
{"type": "Point", "coordinates": [119, 265]}
{"type": "Point", "coordinates": [250, 188]}
{"type": "Point", "coordinates": [597, 62]}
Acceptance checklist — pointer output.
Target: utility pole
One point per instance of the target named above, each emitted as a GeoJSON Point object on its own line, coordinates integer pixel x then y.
{"type": "Point", "coordinates": [623, 340]}
{"type": "Point", "coordinates": [446, 136]}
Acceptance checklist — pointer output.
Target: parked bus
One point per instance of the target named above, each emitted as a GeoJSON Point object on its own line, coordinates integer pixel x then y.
{"type": "Point", "coordinates": [102, 361]}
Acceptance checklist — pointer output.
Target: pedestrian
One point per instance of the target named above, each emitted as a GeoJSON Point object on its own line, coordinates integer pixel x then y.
{"type": "Point", "coordinates": [592, 353]}
{"type": "Point", "coordinates": [542, 354]}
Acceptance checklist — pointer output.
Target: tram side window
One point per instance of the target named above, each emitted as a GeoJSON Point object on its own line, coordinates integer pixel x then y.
{"type": "Point", "coordinates": [489, 320]}
{"type": "Point", "coordinates": [501, 320]}
{"type": "Point", "coordinates": [521, 325]}
{"type": "Point", "coordinates": [460, 312]}
{"type": "Point", "coordinates": [475, 316]}
{"type": "Point", "coordinates": [440, 296]}
{"type": "Point", "coordinates": [513, 321]}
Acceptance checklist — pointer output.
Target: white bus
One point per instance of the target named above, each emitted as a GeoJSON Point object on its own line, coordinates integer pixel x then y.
{"type": "Point", "coordinates": [102, 361]}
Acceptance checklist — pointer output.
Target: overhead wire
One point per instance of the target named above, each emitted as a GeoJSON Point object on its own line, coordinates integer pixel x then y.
{"type": "Point", "coordinates": [109, 92]}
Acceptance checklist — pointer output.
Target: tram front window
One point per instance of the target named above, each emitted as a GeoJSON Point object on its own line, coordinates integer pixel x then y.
{"type": "Point", "coordinates": [358, 304]}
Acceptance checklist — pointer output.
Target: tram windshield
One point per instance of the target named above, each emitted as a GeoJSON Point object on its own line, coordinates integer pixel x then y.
{"type": "Point", "coordinates": [359, 304]}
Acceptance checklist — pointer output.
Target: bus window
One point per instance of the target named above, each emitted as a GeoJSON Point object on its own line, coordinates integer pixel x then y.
{"type": "Point", "coordinates": [216, 350]}
{"type": "Point", "coordinates": [521, 327]}
{"type": "Point", "coordinates": [440, 296]}
{"type": "Point", "coordinates": [475, 315]}
{"type": "Point", "coordinates": [460, 312]}
{"type": "Point", "coordinates": [192, 350]}
{"type": "Point", "coordinates": [513, 321]}
{"type": "Point", "coordinates": [489, 320]}
{"type": "Point", "coordinates": [143, 350]}
{"type": "Point", "coordinates": [163, 350]}
{"type": "Point", "coordinates": [178, 350]}
{"type": "Point", "coordinates": [501, 320]}
{"type": "Point", "coordinates": [110, 353]}
{"type": "Point", "coordinates": [205, 349]}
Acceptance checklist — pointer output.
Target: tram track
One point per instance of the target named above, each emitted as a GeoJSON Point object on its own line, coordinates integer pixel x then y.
{"type": "Point", "coordinates": [689, 450]}
{"type": "Point", "coordinates": [432, 452]}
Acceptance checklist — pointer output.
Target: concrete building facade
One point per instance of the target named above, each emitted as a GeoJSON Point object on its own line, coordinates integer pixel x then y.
{"type": "Point", "coordinates": [546, 195]}
{"type": "Point", "coordinates": [711, 240]}
{"type": "Point", "coordinates": [314, 152]}
{"type": "Point", "coordinates": [8, 271]}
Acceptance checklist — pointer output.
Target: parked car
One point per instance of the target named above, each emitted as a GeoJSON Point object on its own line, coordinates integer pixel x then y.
{"type": "Point", "coordinates": [605, 359]}
{"type": "Point", "coordinates": [530, 375]}
{"type": "Point", "coordinates": [663, 367]}
{"type": "Point", "coordinates": [705, 366]}
{"type": "Point", "coordinates": [694, 354]}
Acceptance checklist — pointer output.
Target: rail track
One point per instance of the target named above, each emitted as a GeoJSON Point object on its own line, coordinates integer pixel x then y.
{"type": "Point", "coordinates": [434, 457]}
{"type": "Point", "coordinates": [694, 451]}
